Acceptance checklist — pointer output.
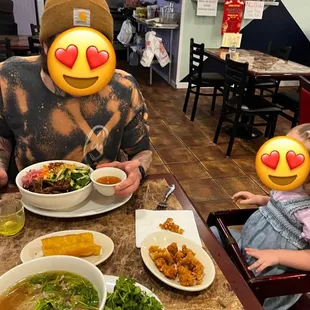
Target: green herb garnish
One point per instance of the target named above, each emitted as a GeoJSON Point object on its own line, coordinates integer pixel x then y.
{"type": "Point", "coordinates": [128, 296]}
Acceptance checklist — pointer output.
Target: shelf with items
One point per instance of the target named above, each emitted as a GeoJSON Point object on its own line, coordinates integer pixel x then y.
{"type": "Point", "coordinates": [267, 3]}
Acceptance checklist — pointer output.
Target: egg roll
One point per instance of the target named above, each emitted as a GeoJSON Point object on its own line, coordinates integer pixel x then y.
{"type": "Point", "coordinates": [67, 240]}
{"type": "Point", "coordinates": [79, 250]}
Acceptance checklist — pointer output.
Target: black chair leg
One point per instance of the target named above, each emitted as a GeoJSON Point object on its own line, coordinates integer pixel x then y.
{"type": "Point", "coordinates": [295, 119]}
{"type": "Point", "coordinates": [233, 135]}
{"type": "Point", "coordinates": [195, 103]}
{"type": "Point", "coordinates": [262, 92]}
{"type": "Point", "coordinates": [187, 97]}
{"type": "Point", "coordinates": [219, 125]}
{"type": "Point", "coordinates": [214, 99]}
{"type": "Point", "coordinates": [273, 125]}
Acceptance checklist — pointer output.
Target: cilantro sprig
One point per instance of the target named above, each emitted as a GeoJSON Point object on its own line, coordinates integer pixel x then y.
{"type": "Point", "coordinates": [128, 296]}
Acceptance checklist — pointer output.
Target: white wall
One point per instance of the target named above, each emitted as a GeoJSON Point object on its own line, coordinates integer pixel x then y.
{"type": "Point", "coordinates": [24, 14]}
{"type": "Point", "coordinates": [40, 4]}
{"type": "Point", "coordinates": [300, 10]}
{"type": "Point", "coordinates": [203, 29]}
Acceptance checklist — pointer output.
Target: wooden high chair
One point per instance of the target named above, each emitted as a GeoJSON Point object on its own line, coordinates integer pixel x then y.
{"type": "Point", "coordinates": [262, 287]}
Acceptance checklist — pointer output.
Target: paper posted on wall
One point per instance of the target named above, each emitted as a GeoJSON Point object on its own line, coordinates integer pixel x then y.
{"type": "Point", "coordinates": [254, 9]}
{"type": "Point", "coordinates": [207, 7]}
{"type": "Point", "coordinates": [154, 47]}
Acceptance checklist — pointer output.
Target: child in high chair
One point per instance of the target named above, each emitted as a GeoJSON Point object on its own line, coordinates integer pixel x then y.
{"type": "Point", "coordinates": [275, 239]}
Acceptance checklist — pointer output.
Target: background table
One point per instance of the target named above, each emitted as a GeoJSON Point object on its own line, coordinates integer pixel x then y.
{"type": "Point", "coordinates": [228, 291]}
{"type": "Point", "coordinates": [18, 43]}
{"type": "Point", "coordinates": [261, 66]}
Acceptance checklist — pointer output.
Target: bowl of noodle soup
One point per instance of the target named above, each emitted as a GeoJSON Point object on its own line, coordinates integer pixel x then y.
{"type": "Point", "coordinates": [55, 282]}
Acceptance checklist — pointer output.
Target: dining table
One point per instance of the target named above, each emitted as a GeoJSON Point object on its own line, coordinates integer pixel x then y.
{"type": "Point", "coordinates": [19, 43]}
{"type": "Point", "coordinates": [228, 290]}
{"type": "Point", "coordinates": [262, 66]}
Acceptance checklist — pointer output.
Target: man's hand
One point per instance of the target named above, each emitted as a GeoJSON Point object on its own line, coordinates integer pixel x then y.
{"type": "Point", "coordinates": [131, 184]}
{"type": "Point", "coordinates": [265, 258]}
{"type": "Point", "coordinates": [247, 198]}
{"type": "Point", "coordinates": [3, 178]}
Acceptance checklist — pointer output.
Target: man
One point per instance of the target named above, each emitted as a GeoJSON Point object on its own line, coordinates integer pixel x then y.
{"type": "Point", "coordinates": [40, 121]}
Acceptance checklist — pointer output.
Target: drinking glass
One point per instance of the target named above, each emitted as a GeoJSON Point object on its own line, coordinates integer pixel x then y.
{"type": "Point", "coordinates": [233, 47]}
{"type": "Point", "coordinates": [12, 217]}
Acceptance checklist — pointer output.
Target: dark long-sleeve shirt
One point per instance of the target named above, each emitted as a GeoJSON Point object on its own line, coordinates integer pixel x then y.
{"type": "Point", "coordinates": [49, 126]}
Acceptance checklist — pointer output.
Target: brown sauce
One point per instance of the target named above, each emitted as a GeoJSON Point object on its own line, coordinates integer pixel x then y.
{"type": "Point", "coordinates": [108, 180]}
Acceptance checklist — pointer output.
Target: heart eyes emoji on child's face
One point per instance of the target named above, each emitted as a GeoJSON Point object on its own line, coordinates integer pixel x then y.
{"type": "Point", "coordinates": [282, 163]}
{"type": "Point", "coordinates": [272, 160]}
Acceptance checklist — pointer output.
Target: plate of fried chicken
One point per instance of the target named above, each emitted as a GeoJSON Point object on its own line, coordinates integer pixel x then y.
{"type": "Point", "coordinates": [178, 261]}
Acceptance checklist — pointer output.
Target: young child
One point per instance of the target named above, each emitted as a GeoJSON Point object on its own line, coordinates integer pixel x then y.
{"type": "Point", "coordinates": [273, 236]}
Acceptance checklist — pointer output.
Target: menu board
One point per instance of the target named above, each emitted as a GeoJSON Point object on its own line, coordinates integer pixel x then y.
{"type": "Point", "coordinates": [254, 9]}
{"type": "Point", "coordinates": [232, 17]}
{"type": "Point", "coordinates": [207, 7]}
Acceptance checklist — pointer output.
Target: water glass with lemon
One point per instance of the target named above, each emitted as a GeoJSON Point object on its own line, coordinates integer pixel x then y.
{"type": "Point", "coordinates": [12, 217]}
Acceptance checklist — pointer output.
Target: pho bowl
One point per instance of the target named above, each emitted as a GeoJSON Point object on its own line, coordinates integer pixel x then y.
{"type": "Point", "coordinates": [107, 189]}
{"type": "Point", "coordinates": [53, 202]}
{"type": "Point", "coordinates": [74, 265]}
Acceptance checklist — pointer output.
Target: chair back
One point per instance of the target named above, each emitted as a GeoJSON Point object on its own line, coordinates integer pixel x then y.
{"type": "Point", "coordinates": [196, 59]}
{"type": "Point", "coordinates": [279, 51]}
{"type": "Point", "coordinates": [5, 49]}
{"type": "Point", "coordinates": [34, 45]}
{"type": "Point", "coordinates": [236, 79]}
{"type": "Point", "coordinates": [304, 101]}
{"type": "Point", "coordinates": [35, 29]}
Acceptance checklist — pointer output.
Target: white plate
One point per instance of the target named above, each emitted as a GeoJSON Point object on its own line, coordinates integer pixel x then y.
{"type": "Point", "coordinates": [111, 282]}
{"type": "Point", "coordinates": [147, 222]}
{"type": "Point", "coordinates": [163, 239]}
{"type": "Point", "coordinates": [33, 249]}
{"type": "Point", "coordinates": [94, 204]}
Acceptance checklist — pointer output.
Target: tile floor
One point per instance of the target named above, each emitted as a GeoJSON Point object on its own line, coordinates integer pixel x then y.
{"type": "Point", "coordinates": [185, 148]}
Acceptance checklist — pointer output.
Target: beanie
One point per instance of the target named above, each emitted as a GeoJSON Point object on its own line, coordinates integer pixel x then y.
{"type": "Point", "coordinates": [61, 15]}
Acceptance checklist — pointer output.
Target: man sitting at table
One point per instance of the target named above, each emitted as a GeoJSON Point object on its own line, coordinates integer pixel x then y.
{"type": "Point", "coordinates": [40, 121]}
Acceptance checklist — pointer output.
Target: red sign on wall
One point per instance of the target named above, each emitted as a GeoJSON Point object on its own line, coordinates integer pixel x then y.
{"type": "Point", "coordinates": [232, 17]}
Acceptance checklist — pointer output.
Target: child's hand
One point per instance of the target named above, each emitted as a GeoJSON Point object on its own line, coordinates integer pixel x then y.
{"type": "Point", "coordinates": [265, 258]}
{"type": "Point", "coordinates": [246, 198]}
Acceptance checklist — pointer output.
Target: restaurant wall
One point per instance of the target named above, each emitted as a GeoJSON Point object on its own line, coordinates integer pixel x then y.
{"type": "Point", "coordinates": [203, 29]}
{"type": "Point", "coordinates": [24, 14]}
{"type": "Point", "coordinates": [285, 24]}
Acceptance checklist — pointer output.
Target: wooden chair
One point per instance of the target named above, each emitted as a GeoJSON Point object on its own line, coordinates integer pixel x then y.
{"type": "Point", "coordinates": [34, 45]}
{"type": "Point", "coordinates": [5, 49]}
{"type": "Point", "coordinates": [236, 80]}
{"type": "Point", "coordinates": [35, 29]}
{"type": "Point", "coordinates": [304, 101]}
{"type": "Point", "coordinates": [263, 287]}
{"type": "Point", "coordinates": [270, 85]}
{"type": "Point", "coordinates": [199, 79]}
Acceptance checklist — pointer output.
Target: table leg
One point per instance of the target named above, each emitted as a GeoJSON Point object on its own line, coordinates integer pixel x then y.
{"type": "Point", "coordinates": [170, 52]}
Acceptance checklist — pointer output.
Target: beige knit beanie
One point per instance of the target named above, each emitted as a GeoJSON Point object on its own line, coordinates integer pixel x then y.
{"type": "Point", "coordinates": [61, 15]}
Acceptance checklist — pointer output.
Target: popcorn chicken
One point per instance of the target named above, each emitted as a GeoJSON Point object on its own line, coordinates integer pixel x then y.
{"type": "Point", "coordinates": [175, 264]}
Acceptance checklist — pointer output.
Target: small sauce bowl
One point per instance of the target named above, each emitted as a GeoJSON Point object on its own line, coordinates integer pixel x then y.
{"type": "Point", "coordinates": [107, 189]}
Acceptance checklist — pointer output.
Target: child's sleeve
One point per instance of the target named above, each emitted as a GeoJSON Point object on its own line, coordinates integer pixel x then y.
{"type": "Point", "coordinates": [303, 216]}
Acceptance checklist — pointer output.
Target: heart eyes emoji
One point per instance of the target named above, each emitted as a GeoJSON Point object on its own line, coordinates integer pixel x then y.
{"type": "Point", "coordinates": [272, 160]}
{"type": "Point", "coordinates": [69, 55]}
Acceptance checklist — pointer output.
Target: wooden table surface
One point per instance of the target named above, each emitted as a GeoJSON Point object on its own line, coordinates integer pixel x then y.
{"type": "Point", "coordinates": [228, 291]}
{"type": "Point", "coordinates": [263, 65]}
